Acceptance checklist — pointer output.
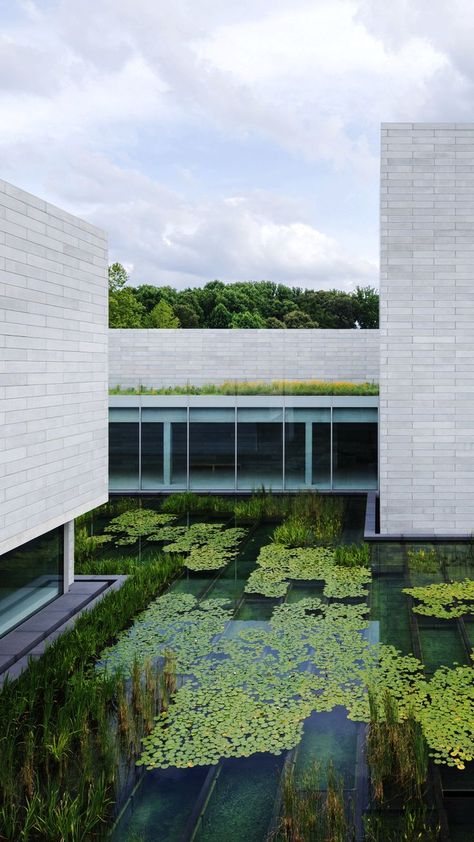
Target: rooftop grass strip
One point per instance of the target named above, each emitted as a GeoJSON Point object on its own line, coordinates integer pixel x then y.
{"type": "Point", "coordinates": [257, 387]}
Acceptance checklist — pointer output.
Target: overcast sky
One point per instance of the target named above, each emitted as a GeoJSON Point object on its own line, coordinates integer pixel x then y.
{"type": "Point", "coordinates": [217, 139]}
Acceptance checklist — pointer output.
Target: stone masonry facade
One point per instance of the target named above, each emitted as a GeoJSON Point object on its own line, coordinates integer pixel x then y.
{"type": "Point", "coordinates": [53, 369]}
{"type": "Point", "coordinates": [427, 329]}
{"type": "Point", "coordinates": [174, 357]}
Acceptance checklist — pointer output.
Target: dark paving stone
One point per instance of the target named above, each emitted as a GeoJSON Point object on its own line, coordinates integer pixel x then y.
{"type": "Point", "coordinates": [44, 621]}
{"type": "Point", "coordinates": [6, 661]}
{"type": "Point", "coordinates": [17, 643]}
{"type": "Point", "coordinates": [88, 587]}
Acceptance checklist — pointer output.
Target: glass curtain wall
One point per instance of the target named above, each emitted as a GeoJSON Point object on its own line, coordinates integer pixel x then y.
{"type": "Point", "coordinates": [212, 448]}
{"type": "Point", "coordinates": [307, 448]}
{"type": "Point", "coordinates": [260, 448]}
{"type": "Point", "coordinates": [124, 459]}
{"type": "Point", "coordinates": [152, 448]}
{"type": "Point", "coordinates": [227, 449]}
{"type": "Point", "coordinates": [355, 448]}
{"type": "Point", "coordinates": [30, 577]}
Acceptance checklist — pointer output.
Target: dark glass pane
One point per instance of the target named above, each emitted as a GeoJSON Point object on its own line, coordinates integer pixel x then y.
{"type": "Point", "coordinates": [259, 448]}
{"type": "Point", "coordinates": [212, 449]}
{"type": "Point", "coordinates": [178, 448]}
{"type": "Point", "coordinates": [30, 576]}
{"type": "Point", "coordinates": [295, 455]}
{"type": "Point", "coordinates": [354, 454]}
{"type": "Point", "coordinates": [123, 455]}
{"type": "Point", "coordinates": [321, 436]}
{"type": "Point", "coordinates": [152, 455]}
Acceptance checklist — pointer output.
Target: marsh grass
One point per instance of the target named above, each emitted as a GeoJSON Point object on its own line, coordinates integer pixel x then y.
{"type": "Point", "coordinates": [275, 387]}
{"type": "Point", "coordinates": [397, 753]}
{"type": "Point", "coordinates": [311, 519]}
{"type": "Point", "coordinates": [352, 555]}
{"type": "Point", "coordinates": [309, 814]}
{"type": "Point", "coordinates": [61, 762]}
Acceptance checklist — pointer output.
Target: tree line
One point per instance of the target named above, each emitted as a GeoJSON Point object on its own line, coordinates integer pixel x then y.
{"type": "Point", "coordinates": [246, 304]}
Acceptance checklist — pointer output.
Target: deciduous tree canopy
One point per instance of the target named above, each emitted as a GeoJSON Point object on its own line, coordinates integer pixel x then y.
{"type": "Point", "coordinates": [246, 304]}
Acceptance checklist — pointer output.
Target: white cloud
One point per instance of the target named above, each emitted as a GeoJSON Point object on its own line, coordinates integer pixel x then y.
{"type": "Point", "coordinates": [82, 85]}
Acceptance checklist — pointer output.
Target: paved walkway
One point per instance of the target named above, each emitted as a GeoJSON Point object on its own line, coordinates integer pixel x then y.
{"type": "Point", "coordinates": [30, 638]}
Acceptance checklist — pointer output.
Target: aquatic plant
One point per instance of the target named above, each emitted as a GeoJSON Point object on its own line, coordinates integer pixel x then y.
{"type": "Point", "coordinates": [294, 532]}
{"type": "Point", "coordinates": [208, 546]}
{"type": "Point", "coordinates": [260, 506]}
{"type": "Point", "coordinates": [445, 709]}
{"type": "Point", "coordinates": [424, 560]}
{"type": "Point", "coordinates": [352, 555]}
{"type": "Point", "coordinates": [397, 752]}
{"type": "Point", "coordinates": [310, 519]}
{"type": "Point", "coordinates": [60, 763]}
{"type": "Point", "coordinates": [187, 501]}
{"type": "Point", "coordinates": [135, 524]}
{"type": "Point", "coordinates": [444, 600]}
{"type": "Point", "coordinates": [87, 546]}
{"type": "Point", "coordinates": [278, 565]}
{"type": "Point", "coordinates": [310, 813]}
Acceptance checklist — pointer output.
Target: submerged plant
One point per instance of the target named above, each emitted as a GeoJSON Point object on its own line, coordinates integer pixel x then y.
{"type": "Point", "coordinates": [443, 600]}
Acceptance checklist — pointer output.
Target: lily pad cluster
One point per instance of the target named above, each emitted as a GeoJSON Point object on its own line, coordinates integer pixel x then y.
{"type": "Point", "coordinates": [207, 545]}
{"type": "Point", "coordinates": [248, 690]}
{"type": "Point", "coordinates": [278, 565]}
{"type": "Point", "coordinates": [444, 600]}
{"type": "Point", "coordinates": [129, 526]}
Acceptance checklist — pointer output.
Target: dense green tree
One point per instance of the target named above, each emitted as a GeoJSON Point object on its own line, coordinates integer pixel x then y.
{"type": "Point", "coordinates": [247, 320]}
{"type": "Point", "coordinates": [162, 316]}
{"type": "Point", "coordinates": [297, 318]}
{"type": "Point", "coordinates": [220, 316]}
{"type": "Point", "coordinates": [242, 304]}
{"type": "Point", "coordinates": [118, 277]}
{"type": "Point", "coordinates": [274, 324]}
{"type": "Point", "coordinates": [125, 310]}
{"type": "Point", "coordinates": [366, 300]}
{"type": "Point", "coordinates": [188, 318]}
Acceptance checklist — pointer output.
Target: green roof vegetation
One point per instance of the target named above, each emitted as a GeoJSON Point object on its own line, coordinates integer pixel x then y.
{"type": "Point", "coordinates": [275, 387]}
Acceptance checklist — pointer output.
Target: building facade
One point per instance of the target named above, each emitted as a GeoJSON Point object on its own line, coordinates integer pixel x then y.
{"type": "Point", "coordinates": [53, 419]}
{"type": "Point", "coordinates": [415, 442]}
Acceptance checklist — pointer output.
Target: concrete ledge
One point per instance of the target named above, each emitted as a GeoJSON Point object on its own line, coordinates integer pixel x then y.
{"type": "Point", "coordinates": [31, 637]}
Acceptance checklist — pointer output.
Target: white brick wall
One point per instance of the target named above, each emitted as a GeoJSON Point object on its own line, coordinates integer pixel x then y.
{"type": "Point", "coordinates": [172, 357]}
{"type": "Point", "coordinates": [53, 366]}
{"type": "Point", "coordinates": [427, 329]}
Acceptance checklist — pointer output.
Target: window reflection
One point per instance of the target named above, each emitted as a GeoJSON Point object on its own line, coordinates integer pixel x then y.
{"type": "Point", "coordinates": [30, 577]}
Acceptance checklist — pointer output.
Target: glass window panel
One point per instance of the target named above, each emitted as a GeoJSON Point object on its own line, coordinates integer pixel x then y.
{"type": "Point", "coordinates": [123, 448]}
{"type": "Point", "coordinates": [307, 447]}
{"type": "Point", "coordinates": [260, 448]}
{"type": "Point", "coordinates": [30, 577]}
{"type": "Point", "coordinates": [356, 414]}
{"type": "Point", "coordinates": [152, 450]}
{"type": "Point", "coordinates": [355, 448]}
{"type": "Point", "coordinates": [212, 448]}
{"type": "Point", "coordinates": [175, 444]}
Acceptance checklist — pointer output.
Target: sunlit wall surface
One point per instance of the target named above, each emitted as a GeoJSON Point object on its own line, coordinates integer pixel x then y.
{"type": "Point", "coordinates": [30, 576]}
{"type": "Point", "coordinates": [224, 447]}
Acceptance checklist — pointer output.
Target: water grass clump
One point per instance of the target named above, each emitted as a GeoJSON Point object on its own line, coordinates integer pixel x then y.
{"type": "Point", "coordinates": [352, 555]}
{"type": "Point", "coordinates": [61, 764]}
{"type": "Point", "coordinates": [310, 813]}
{"type": "Point", "coordinates": [257, 387]}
